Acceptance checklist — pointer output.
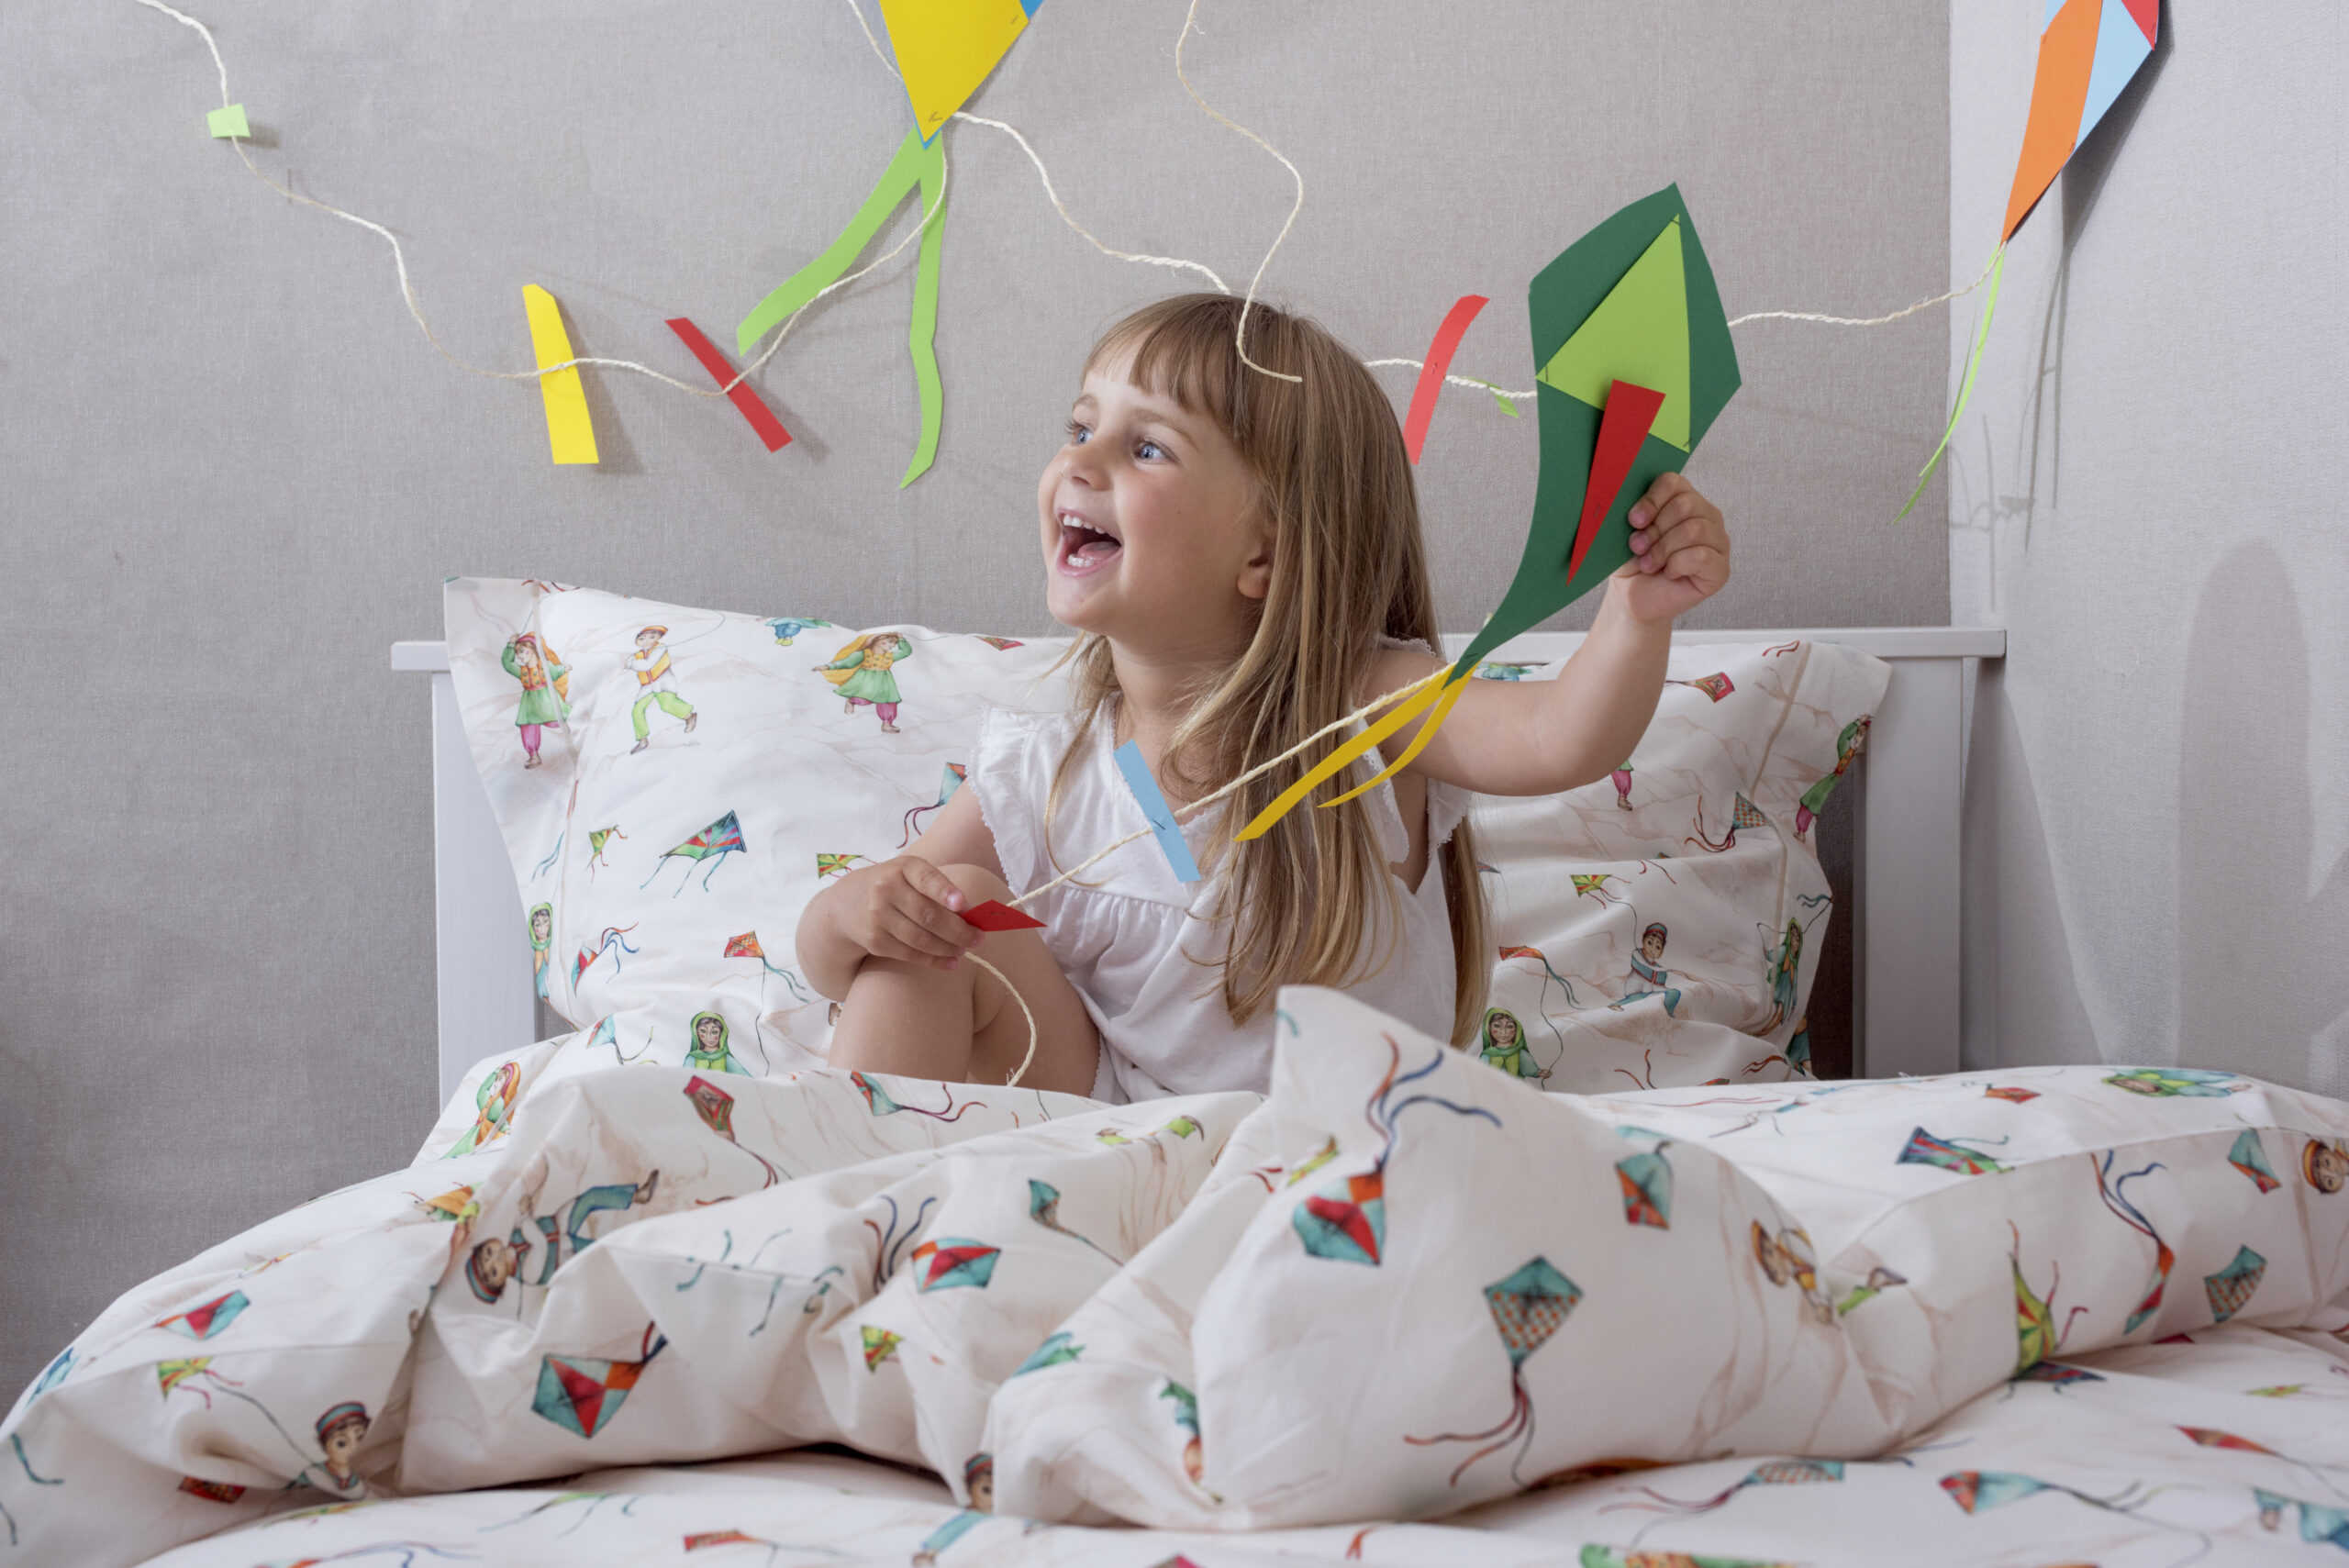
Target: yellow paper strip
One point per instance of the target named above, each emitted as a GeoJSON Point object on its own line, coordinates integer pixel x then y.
{"type": "Point", "coordinates": [1337, 761]}
{"type": "Point", "coordinates": [570, 436]}
{"type": "Point", "coordinates": [1441, 711]}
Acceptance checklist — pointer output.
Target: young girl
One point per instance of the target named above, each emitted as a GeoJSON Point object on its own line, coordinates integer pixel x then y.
{"type": "Point", "coordinates": [1242, 558]}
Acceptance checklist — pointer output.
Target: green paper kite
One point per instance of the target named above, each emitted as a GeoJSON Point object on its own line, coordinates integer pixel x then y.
{"type": "Point", "coordinates": [1635, 364]}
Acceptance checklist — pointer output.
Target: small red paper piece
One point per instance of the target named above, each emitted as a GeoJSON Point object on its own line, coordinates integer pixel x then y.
{"type": "Point", "coordinates": [754, 410]}
{"type": "Point", "coordinates": [1630, 411]}
{"type": "Point", "coordinates": [995, 915]}
{"type": "Point", "coordinates": [1447, 338]}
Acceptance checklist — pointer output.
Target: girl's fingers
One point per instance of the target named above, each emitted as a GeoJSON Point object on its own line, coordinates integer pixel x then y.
{"type": "Point", "coordinates": [943, 923]}
{"type": "Point", "coordinates": [920, 941]}
{"type": "Point", "coordinates": [1701, 565]}
{"type": "Point", "coordinates": [1665, 487]}
{"type": "Point", "coordinates": [931, 880]}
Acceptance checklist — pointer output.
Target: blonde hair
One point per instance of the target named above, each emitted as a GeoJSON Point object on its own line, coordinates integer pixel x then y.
{"type": "Point", "coordinates": [1348, 566]}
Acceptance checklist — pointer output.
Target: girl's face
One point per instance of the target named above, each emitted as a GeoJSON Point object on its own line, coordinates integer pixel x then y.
{"type": "Point", "coordinates": [708, 1030]}
{"type": "Point", "coordinates": [1504, 1030]}
{"type": "Point", "coordinates": [1149, 526]}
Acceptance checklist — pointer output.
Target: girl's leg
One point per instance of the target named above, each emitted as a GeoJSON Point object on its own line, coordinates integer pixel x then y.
{"type": "Point", "coordinates": [530, 743]}
{"type": "Point", "coordinates": [888, 712]}
{"type": "Point", "coordinates": [961, 1024]}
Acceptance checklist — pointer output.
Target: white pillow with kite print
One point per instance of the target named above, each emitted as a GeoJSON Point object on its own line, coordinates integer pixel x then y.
{"type": "Point", "coordinates": [1664, 927]}
{"type": "Point", "coordinates": [674, 784]}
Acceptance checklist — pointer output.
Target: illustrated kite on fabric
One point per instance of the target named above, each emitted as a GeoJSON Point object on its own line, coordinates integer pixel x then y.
{"type": "Point", "coordinates": [712, 844]}
{"type": "Point", "coordinates": [1635, 363]}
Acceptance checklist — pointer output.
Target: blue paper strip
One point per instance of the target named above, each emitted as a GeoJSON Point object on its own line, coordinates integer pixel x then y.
{"type": "Point", "coordinates": [1160, 815]}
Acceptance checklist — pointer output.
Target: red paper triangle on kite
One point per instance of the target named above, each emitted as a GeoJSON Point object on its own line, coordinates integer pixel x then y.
{"type": "Point", "coordinates": [995, 915]}
{"type": "Point", "coordinates": [1623, 425]}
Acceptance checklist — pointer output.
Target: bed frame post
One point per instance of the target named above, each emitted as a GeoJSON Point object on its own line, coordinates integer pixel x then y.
{"type": "Point", "coordinates": [482, 947]}
{"type": "Point", "coordinates": [1908, 860]}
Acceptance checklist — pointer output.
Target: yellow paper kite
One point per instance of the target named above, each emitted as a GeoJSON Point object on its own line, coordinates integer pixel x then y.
{"type": "Point", "coordinates": [946, 48]}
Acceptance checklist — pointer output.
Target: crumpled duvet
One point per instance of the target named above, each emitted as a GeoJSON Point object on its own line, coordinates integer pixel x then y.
{"type": "Point", "coordinates": [1400, 1285]}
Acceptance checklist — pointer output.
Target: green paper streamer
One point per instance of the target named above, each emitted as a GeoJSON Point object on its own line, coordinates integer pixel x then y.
{"type": "Point", "coordinates": [905, 169]}
{"type": "Point", "coordinates": [1965, 385]}
{"type": "Point", "coordinates": [913, 166]}
{"type": "Point", "coordinates": [921, 333]}
{"type": "Point", "coordinates": [1508, 404]}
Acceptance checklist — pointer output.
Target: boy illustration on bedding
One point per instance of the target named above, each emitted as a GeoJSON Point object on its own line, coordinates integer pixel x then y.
{"type": "Point", "coordinates": [546, 691]}
{"type": "Point", "coordinates": [340, 1431]}
{"type": "Point", "coordinates": [655, 683]}
{"type": "Point", "coordinates": [862, 672]}
{"type": "Point", "coordinates": [2326, 1165]}
{"type": "Point", "coordinates": [493, 1264]}
{"type": "Point", "coordinates": [1649, 974]}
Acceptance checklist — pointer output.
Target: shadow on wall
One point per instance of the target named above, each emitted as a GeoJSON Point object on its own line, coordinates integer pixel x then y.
{"type": "Point", "coordinates": [2249, 929]}
{"type": "Point", "coordinates": [2022, 1004]}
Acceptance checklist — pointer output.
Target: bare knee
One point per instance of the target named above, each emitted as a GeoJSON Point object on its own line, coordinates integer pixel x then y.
{"type": "Point", "coordinates": [977, 883]}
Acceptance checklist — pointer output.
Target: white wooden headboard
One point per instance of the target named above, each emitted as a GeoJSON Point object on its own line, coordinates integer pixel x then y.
{"type": "Point", "coordinates": [1905, 942]}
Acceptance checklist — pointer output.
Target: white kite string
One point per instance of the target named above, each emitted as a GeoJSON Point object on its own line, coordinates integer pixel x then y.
{"type": "Point", "coordinates": [1183, 812]}
{"type": "Point", "coordinates": [1240, 335]}
{"type": "Point", "coordinates": [408, 290]}
{"type": "Point", "coordinates": [1980, 278]}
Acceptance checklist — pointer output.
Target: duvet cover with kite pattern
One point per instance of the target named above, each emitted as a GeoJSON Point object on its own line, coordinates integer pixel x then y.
{"type": "Point", "coordinates": [1399, 1286]}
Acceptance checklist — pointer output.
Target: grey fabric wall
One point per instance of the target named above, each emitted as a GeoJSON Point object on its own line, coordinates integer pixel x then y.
{"type": "Point", "coordinates": [236, 473]}
{"type": "Point", "coordinates": [2148, 497]}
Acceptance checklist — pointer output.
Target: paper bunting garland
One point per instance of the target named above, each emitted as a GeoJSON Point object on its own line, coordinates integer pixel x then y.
{"type": "Point", "coordinates": [769, 429]}
{"type": "Point", "coordinates": [1636, 364]}
{"type": "Point", "coordinates": [570, 436]}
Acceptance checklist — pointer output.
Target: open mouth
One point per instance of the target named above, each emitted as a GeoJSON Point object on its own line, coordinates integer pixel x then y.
{"type": "Point", "coordinates": [1083, 548]}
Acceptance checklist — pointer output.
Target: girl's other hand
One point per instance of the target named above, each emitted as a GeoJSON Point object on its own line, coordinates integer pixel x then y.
{"type": "Point", "coordinates": [1679, 551]}
{"type": "Point", "coordinates": [905, 909]}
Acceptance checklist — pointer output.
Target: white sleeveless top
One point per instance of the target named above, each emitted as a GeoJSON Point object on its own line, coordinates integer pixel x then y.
{"type": "Point", "coordinates": [1123, 940]}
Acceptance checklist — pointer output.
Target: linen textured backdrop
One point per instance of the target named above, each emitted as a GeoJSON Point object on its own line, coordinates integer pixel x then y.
{"type": "Point", "coordinates": [235, 473]}
{"type": "Point", "coordinates": [2147, 494]}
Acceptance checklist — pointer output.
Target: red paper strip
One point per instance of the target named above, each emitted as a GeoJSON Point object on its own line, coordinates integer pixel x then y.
{"type": "Point", "coordinates": [761, 416]}
{"type": "Point", "coordinates": [1447, 338]}
{"type": "Point", "coordinates": [1622, 427]}
{"type": "Point", "coordinates": [994, 916]}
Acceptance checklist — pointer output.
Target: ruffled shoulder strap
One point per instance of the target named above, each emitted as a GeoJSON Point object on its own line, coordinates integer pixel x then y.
{"type": "Point", "coordinates": [1011, 774]}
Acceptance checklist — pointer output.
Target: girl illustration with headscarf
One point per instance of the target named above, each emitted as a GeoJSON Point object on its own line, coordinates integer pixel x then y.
{"type": "Point", "coordinates": [862, 672]}
{"type": "Point", "coordinates": [542, 945]}
{"type": "Point", "coordinates": [708, 1047]}
{"type": "Point", "coordinates": [546, 691]}
{"type": "Point", "coordinates": [1847, 748]}
{"type": "Point", "coordinates": [493, 1109]}
{"type": "Point", "coordinates": [1503, 1043]}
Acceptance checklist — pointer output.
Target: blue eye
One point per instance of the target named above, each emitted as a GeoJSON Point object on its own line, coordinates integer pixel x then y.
{"type": "Point", "coordinates": [1076, 433]}
{"type": "Point", "coordinates": [1151, 447]}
